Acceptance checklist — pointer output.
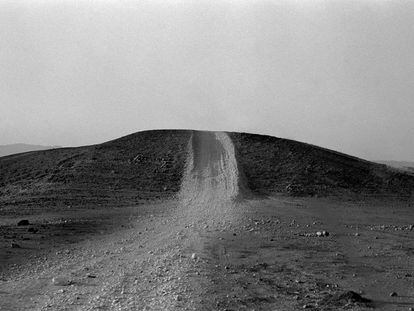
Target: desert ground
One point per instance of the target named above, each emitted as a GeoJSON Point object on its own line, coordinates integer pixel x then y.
{"type": "Point", "coordinates": [215, 245]}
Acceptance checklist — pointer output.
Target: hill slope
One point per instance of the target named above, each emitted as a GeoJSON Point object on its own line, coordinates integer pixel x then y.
{"type": "Point", "coordinates": [140, 166]}
{"type": "Point", "coordinates": [150, 165]}
{"type": "Point", "coordinates": [19, 148]}
{"type": "Point", "coordinates": [275, 165]}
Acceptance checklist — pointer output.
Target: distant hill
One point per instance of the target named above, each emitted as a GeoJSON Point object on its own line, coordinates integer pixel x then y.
{"type": "Point", "coordinates": [402, 165]}
{"type": "Point", "coordinates": [19, 148]}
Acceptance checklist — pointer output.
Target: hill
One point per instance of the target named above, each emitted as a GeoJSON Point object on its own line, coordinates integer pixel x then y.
{"type": "Point", "coordinates": [150, 165]}
{"type": "Point", "coordinates": [128, 170]}
{"type": "Point", "coordinates": [19, 148]}
{"type": "Point", "coordinates": [274, 165]}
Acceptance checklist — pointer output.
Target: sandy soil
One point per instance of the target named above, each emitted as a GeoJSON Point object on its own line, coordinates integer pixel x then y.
{"type": "Point", "coordinates": [213, 249]}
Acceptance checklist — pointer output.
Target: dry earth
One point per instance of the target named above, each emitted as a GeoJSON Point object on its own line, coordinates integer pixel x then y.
{"type": "Point", "coordinates": [217, 247]}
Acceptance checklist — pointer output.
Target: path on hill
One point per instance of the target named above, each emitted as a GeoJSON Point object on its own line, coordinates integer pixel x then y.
{"type": "Point", "coordinates": [211, 174]}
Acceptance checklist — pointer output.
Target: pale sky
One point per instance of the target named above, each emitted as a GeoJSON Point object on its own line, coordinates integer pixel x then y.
{"type": "Point", "coordinates": [338, 74]}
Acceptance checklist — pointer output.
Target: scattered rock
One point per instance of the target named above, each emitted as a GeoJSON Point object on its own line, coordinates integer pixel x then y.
{"type": "Point", "coordinates": [322, 233]}
{"type": "Point", "coordinates": [23, 222]}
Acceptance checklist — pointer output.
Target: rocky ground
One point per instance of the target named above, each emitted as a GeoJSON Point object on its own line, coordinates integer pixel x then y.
{"type": "Point", "coordinates": [269, 257]}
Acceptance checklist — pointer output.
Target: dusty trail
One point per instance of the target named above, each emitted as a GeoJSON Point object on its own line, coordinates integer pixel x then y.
{"type": "Point", "coordinates": [152, 269]}
{"type": "Point", "coordinates": [212, 174]}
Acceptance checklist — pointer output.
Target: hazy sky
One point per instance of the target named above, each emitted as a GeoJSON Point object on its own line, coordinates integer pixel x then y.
{"type": "Point", "coordinates": [339, 74]}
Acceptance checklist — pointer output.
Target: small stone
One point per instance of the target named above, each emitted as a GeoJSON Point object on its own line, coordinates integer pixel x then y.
{"type": "Point", "coordinates": [23, 222]}
{"type": "Point", "coordinates": [393, 294]}
{"type": "Point", "coordinates": [194, 256]}
{"type": "Point", "coordinates": [319, 234]}
{"type": "Point", "coordinates": [357, 234]}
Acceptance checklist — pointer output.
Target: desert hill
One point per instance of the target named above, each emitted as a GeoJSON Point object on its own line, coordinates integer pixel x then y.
{"type": "Point", "coordinates": [20, 148]}
{"type": "Point", "coordinates": [150, 165]}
